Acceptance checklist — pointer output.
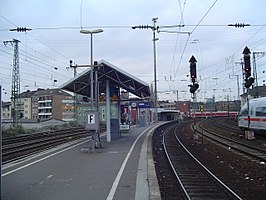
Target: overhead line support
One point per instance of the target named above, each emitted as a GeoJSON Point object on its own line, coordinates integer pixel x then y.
{"type": "Point", "coordinates": [154, 28]}
{"type": "Point", "coordinates": [15, 89]}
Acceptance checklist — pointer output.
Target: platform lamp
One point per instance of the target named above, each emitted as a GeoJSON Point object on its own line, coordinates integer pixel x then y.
{"type": "Point", "coordinates": [92, 69]}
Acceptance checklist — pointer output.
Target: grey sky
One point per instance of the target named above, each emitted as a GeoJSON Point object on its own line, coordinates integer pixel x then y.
{"type": "Point", "coordinates": [55, 39]}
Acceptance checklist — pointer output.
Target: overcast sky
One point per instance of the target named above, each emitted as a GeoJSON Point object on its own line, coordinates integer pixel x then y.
{"type": "Point", "coordinates": [55, 39]}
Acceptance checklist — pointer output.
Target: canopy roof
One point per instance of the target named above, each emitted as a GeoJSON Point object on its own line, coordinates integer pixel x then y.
{"type": "Point", "coordinates": [117, 77]}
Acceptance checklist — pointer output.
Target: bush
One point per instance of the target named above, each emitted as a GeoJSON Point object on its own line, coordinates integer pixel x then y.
{"type": "Point", "coordinates": [19, 130]}
{"type": "Point", "coordinates": [14, 131]}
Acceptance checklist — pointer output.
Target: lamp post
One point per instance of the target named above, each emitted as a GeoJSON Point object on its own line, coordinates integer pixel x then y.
{"type": "Point", "coordinates": [95, 137]}
{"type": "Point", "coordinates": [92, 69]}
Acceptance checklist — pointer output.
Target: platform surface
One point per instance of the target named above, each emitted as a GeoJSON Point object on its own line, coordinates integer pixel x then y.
{"type": "Point", "coordinates": [122, 169]}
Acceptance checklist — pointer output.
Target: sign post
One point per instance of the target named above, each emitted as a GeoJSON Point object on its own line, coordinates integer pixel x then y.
{"type": "Point", "coordinates": [92, 125]}
{"type": "Point", "coordinates": [142, 106]}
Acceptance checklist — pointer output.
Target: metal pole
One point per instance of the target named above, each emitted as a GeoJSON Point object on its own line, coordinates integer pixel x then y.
{"type": "Point", "coordinates": [91, 75]}
{"type": "Point", "coordinates": [248, 108]}
{"type": "Point", "coordinates": [255, 69]}
{"type": "Point", "coordinates": [96, 88]}
{"type": "Point", "coordinates": [1, 142]}
{"type": "Point", "coordinates": [93, 139]}
{"type": "Point", "coordinates": [238, 93]}
{"type": "Point", "coordinates": [155, 75]}
{"type": "Point", "coordinates": [98, 139]}
{"type": "Point", "coordinates": [228, 105]}
{"type": "Point", "coordinates": [75, 97]}
{"type": "Point", "coordinates": [153, 28]}
{"type": "Point", "coordinates": [243, 72]}
{"type": "Point", "coordinates": [108, 113]}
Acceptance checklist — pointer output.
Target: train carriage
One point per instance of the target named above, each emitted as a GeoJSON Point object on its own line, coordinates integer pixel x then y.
{"type": "Point", "coordinates": [214, 114]}
{"type": "Point", "coordinates": [256, 115]}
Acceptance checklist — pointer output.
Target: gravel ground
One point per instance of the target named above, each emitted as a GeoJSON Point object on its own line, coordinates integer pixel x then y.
{"type": "Point", "coordinates": [245, 176]}
{"type": "Point", "coordinates": [169, 188]}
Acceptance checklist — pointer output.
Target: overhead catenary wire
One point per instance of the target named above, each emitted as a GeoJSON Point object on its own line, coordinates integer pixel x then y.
{"type": "Point", "coordinates": [31, 63]}
{"type": "Point", "coordinates": [34, 58]}
{"type": "Point", "coordinates": [175, 61]}
{"type": "Point", "coordinates": [181, 23]}
{"type": "Point", "coordinates": [130, 26]}
{"type": "Point", "coordinates": [185, 47]}
{"type": "Point", "coordinates": [27, 57]}
{"type": "Point", "coordinates": [34, 37]}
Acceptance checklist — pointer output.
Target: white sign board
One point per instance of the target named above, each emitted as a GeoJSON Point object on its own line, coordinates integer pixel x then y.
{"type": "Point", "coordinates": [91, 118]}
{"type": "Point", "coordinates": [92, 122]}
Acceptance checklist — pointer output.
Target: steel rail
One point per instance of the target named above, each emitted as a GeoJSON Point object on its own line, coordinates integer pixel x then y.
{"type": "Point", "coordinates": [25, 145]}
{"type": "Point", "coordinates": [189, 170]}
{"type": "Point", "coordinates": [257, 153]}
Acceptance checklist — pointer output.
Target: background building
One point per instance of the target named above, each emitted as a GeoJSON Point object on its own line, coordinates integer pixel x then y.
{"type": "Point", "coordinates": [6, 110]}
{"type": "Point", "coordinates": [53, 103]}
{"type": "Point", "coordinates": [26, 101]}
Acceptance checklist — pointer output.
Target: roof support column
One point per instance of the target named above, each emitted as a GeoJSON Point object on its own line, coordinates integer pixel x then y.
{"type": "Point", "coordinates": [108, 112]}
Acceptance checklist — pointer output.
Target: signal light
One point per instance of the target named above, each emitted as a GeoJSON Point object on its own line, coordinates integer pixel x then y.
{"type": "Point", "coordinates": [247, 67]}
{"type": "Point", "coordinates": [193, 70]}
{"type": "Point", "coordinates": [249, 81]}
{"type": "Point", "coordinates": [193, 87]}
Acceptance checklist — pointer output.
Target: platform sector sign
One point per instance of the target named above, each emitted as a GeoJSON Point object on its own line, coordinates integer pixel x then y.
{"type": "Point", "coordinates": [92, 120]}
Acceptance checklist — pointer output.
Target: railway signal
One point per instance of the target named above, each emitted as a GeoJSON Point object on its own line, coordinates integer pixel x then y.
{"type": "Point", "coordinates": [247, 68]}
{"type": "Point", "coordinates": [193, 87]}
{"type": "Point", "coordinates": [249, 81]}
{"type": "Point", "coordinates": [193, 75]}
{"type": "Point", "coordinates": [193, 71]}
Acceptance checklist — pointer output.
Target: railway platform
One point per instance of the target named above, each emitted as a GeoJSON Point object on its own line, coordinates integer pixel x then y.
{"type": "Point", "coordinates": [122, 169]}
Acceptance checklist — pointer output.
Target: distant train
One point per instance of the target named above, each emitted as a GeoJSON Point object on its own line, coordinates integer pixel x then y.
{"type": "Point", "coordinates": [215, 114]}
{"type": "Point", "coordinates": [256, 115]}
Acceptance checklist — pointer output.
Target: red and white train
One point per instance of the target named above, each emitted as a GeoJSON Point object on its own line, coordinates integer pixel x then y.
{"type": "Point", "coordinates": [255, 116]}
{"type": "Point", "coordinates": [215, 114]}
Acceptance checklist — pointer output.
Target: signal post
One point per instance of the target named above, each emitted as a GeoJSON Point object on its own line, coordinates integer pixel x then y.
{"type": "Point", "coordinates": [249, 134]}
{"type": "Point", "coordinates": [194, 86]}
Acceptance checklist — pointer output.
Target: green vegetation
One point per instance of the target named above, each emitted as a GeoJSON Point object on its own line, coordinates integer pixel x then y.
{"type": "Point", "coordinates": [19, 130]}
{"type": "Point", "coordinates": [14, 131]}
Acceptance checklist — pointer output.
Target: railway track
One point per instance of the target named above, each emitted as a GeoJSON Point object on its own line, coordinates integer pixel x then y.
{"type": "Point", "coordinates": [22, 146]}
{"type": "Point", "coordinates": [196, 181]}
{"type": "Point", "coordinates": [226, 124]}
{"type": "Point", "coordinates": [250, 150]}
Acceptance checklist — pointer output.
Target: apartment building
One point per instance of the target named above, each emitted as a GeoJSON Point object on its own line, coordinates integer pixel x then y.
{"type": "Point", "coordinates": [53, 103]}
{"type": "Point", "coordinates": [43, 104]}
{"type": "Point", "coordinates": [26, 102]}
{"type": "Point", "coordinates": [6, 110]}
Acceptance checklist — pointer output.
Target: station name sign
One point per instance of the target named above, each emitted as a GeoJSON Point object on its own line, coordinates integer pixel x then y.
{"type": "Point", "coordinates": [144, 105]}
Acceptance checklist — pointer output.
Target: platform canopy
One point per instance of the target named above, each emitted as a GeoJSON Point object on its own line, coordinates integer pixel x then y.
{"type": "Point", "coordinates": [117, 77]}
